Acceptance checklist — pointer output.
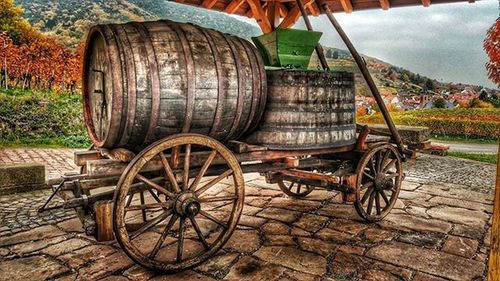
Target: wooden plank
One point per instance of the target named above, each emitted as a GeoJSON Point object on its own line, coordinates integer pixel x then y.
{"type": "Point", "coordinates": [314, 9]}
{"type": "Point", "coordinates": [208, 3]}
{"type": "Point", "coordinates": [81, 157]}
{"type": "Point", "coordinates": [233, 6]}
{"type": "Point", "coordinates": [385, 4]}
{"type": "Point", "coordinates": [104, 220]}
{"type": "Point", "coordinates": [259, 15]}
{"type": "Point", "coordinates": [426, 3]}
{"type": "Point", "coordinates": [494, 262]}
{"type": "Point", "coordinates": [291, 17]}
{"type": "Point", "coordinates": [347, 5]}
{"type": "Point", "coordinates": [273, 13]}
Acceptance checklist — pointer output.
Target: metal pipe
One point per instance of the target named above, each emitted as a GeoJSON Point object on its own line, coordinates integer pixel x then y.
{"type": "Point", "coordinates": [318, 48]}
{"type": "Point", "coordinates": [368, 78]}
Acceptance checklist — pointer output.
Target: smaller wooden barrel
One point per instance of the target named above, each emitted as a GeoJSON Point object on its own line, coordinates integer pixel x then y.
{"type": "Point", "coordinates": [307, 110]}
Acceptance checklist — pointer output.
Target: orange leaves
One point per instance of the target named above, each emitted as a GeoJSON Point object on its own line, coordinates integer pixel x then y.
{"type": "Point", "coordinates": [492, 48]}
{"type": "Point", "coordinates": [42, 63]}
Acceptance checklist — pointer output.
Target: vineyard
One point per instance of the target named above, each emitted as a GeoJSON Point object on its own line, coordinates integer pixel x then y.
{"type": "Point", "coordinates": [465, 122]}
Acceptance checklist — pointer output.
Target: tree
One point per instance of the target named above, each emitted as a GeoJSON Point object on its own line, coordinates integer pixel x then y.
{"type": "Point", "coordinates": [11, 22]}
{"type": "Point", "coordinates": [439, 103]}
{"type": "Point", "coordinates": [492, 47]}
{"type": "Point", "coordinates": [429, 85]}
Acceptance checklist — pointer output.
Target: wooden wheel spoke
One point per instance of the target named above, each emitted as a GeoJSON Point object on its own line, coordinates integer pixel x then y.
{"type": "Point", "coordinates": [298, 188]}
{"type": "Point", "coordinates": [185, 175]}
{"type": "Point", "coordinates": [174, 158]}
{"type": "Point", "coordinates": [291, 185]}
{"type": "Point", "coordinates": [212, 218]}
{"type": "Point", "coordinates": [388, 166]}
{"type": "Point", "coordinates": [366, 195]}
{"type": "Point", "coordinates": [384, 159]}
{"type": "Point", "coordinates": [200, 234]}
{"type": "Point", "coordinates": [180, 240]}
{"type": "Point", "coordinates": [163, 236]}
{"type": "Point", "coordinates": [143, 202]}
{"type": "Point", "coordinates": [370, 203]}
{"type": "Point", "coordinates": [203, 170]}
{"type": "Point", "coordinates": [377, 202]}
{"type": "Point", "coordinates": [369, 176]}
{"type": "Point", "coordinates": [164, 205]}
{"type": "Point", "coordinates": [155, 185]}
{"type": "Point", "coordinates": [213, 182]}
{"type": "Point", "coordinates": [392, 175]}
{"type": "Point", "coordinates": [150, 224]}
{"type": "Point", "coordinates": [129, 200]}
{"type": "Point", "coordinates": [217, 199]}
{"type": "Point", "coordinates": [372, 167]}
{"type": "Point", "coordinates": [367, 185]}
{"type": "Point", "coordinates": [169, 172]}
{"type": "Point", "coordinates": [384, 196]}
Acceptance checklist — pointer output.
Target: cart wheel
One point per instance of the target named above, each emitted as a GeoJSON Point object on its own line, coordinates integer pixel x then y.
{"type": "Point", "coordinates": [379, 177]}
{"type": "Point", "coordinates": [193, 219]}
{"type": "Point", "coordinates": [295, 189]}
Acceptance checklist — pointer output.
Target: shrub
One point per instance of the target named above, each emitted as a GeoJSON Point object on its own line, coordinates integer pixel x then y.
{"type": "Point", "coordinates": [41, 118]}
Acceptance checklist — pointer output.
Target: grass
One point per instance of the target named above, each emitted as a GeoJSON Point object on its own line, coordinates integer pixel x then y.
{"type": "Point", "coordinates": [465, 139]}
{"type": "Point", "coordinates": [487, 158]}
{"type": "Point", "coordinates": [41, 119]}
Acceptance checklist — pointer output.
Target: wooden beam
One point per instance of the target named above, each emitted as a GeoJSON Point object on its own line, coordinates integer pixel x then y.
{"type": "Point", "coordinates": [347, 5]}
{"type": "Point", "coordinates": [282, 9]}
{"type": "Point", "coordinates": [233, 6]}
{"type": "Point", "coordinates": [426, 3]}
{"type": "Point", "coordinates": [208, 3]}
{"type": "Point", "coordinates": [259, 15]}
{"type": "Point", "coordinates": [494, 262]}
{"type": "Point", "coordinates": [314, 9]}
{"type": "Point", "coordinates": [293, 15]}
{"type": "Point", "coordinates": [385, 4]}
{"type": "Point", "coordinates": [273, 14]}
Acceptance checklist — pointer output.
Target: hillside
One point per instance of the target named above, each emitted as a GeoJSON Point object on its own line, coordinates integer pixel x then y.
{"type": "Point", "coordinates": [69, 20]}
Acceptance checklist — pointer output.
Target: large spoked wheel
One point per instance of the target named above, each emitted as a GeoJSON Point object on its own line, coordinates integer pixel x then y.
{"type": "Point", "coordinates": [379, 177]}
{"type": "Point", "coordinates": [295, 189]}
{"type": "Point", "coordinates": [177, 223]}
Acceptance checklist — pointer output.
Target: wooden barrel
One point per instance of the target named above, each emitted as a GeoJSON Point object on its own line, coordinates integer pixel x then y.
{"type": "Point", "coordinates": [307, 110]}
{"type": "Point", "coordinates": [145, 81]}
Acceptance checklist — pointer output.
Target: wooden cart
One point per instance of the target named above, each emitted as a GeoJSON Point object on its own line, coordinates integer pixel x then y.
{"type": "Point", "coordinates": [179, 200]}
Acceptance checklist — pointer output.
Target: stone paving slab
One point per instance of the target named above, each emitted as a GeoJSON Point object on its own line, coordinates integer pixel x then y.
{"type": "Point", "coordinates": [437, 232]}
{"type": "Point", "coordinates": [57, 161]}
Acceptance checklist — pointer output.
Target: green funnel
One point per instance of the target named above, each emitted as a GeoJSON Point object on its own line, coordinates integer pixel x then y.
{"type": "Point", "coordinates": [287, 47]}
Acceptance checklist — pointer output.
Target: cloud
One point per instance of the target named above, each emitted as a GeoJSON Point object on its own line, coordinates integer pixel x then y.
{"type": "Point", "coordinates": [443, 41]}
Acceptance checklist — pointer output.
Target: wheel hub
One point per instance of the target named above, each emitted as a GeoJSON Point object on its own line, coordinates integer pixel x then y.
{"type": "Point", "coordinates": [380, 181]}
{"type": "Point", "coordinates": [187, 205]}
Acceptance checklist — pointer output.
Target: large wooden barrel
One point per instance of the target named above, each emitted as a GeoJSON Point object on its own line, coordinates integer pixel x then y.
{"type": "Point", "coordinates": [307, 110]}
{"type": "Point", "coordinates": [145, 81]}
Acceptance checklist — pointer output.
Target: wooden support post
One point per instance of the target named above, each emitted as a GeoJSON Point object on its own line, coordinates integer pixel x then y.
{"type": "Point", "coordinates": [104, 220]}
{"type": "Point", "coordinates": [368, 78]}
{"type": "Point", "coordinates": [385, 4]}
{"type": "Point", "coordinates": [426, 3]}
{"type": "Point", "coordinates": [349, 180]}
{"type": "Point", "coordinates": [318, 48]}
{"type": "Point", "coordinates": [347, 6]}
{"type": "Point", "coordinates": [494, 262]}
{"type": "Point", "coordinates": [259, 15]}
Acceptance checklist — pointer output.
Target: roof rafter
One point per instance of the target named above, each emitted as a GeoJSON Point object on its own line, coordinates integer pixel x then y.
{"type": "Point", "coordinates": [233, 6]}
{"type": "Point", "coordinates": [385, 4]}
{"type": "Point", "coordinates": [259, 15]}
{"type": "Point", "coordinates": [347, 6]}
{"type": "Point", "coordinates": [208, 3]}
{"type": "Point", "coordinates": [426, 3]}
{"type": "Point", "coordinates": [293, 15]}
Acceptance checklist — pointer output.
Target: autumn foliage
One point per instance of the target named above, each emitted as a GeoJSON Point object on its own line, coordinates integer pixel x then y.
{"type": "Point", "coordinates": [31, 60]}
{"type": "Point", "coordinates": [492, 48]}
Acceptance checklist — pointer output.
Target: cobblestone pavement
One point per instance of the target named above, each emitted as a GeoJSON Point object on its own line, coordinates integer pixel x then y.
{"type": "Point", "coordinates": [436, 232]}
{"type": "Point", "coordinates": [57, 161]}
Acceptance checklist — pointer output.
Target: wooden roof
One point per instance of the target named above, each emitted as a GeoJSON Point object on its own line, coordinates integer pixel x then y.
{"type": "Point", "coordinates": [284, 13]}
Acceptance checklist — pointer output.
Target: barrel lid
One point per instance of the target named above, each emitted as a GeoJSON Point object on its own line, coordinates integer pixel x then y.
{"type": "Point", "coordinates": [97, 87]}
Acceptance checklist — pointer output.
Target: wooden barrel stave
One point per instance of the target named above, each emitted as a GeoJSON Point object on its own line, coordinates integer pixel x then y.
{"type": "Point", "coordinates": [164, 78]}
{"type": "Point", "coordinates": [307, 110]}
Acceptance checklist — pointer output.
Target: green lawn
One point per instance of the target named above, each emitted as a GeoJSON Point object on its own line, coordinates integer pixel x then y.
{"type": "Point", "coordinates": [487, 158]}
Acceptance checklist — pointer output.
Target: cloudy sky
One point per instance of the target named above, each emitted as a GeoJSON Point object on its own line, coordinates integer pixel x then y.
{"type": "Point", "coordinates": [443, 41]}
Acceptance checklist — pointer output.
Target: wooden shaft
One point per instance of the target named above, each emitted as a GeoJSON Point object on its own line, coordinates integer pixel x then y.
{"type": "Point", "coordinates": [318, 48]}
{"type": "Point", "coordinates": [494, 261]}
{"type": "Point", "coordinates": [368, 78]}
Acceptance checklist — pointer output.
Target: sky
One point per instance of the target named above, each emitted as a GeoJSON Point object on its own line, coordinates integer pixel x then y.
{"type": "Point", "coordinates": [443, 41]}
